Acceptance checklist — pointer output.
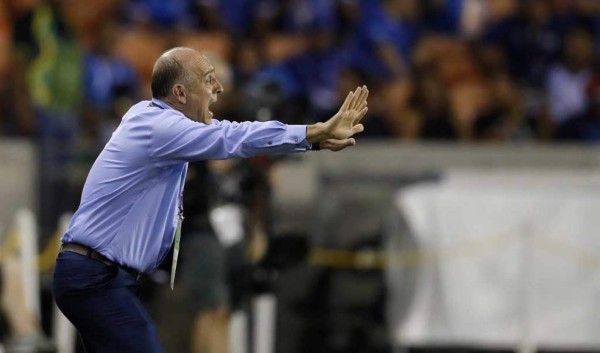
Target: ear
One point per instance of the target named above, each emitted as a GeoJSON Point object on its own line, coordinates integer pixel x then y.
{"type": "Point", "coordinates": [179, 93]}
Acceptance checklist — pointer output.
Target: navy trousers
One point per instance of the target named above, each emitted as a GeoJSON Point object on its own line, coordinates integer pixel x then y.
{"type": "Point", "coordinates": [102, 303]}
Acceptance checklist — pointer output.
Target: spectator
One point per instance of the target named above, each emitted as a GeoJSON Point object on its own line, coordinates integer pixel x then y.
{"type": "Point", "coordinates": [531, 39]}
{"type": "Point", "coordinates": [318, 70]}
{"type": "Point", "coordinates": [443, 16]}
{"type": "Point", "coordinates": [9, 124]}
{"type": "Point", "coordinates": [302, 16]}
{"type": "Point", "coordinates": [348, 14]}
{"type": "Point", "coordinates": [398, 113]}
{"type": "Point", "coordinates": [163, 14]}
{"type": "Point", "coordinates": [241, 18]}
{"type": "Point", "coordinates": [586, 126]}
{"type": "Point", "coordinates": [385, 37]}
{"type": "Point", "coordinates": [248, 60]}
{"type": "Point", "coordinates": [107, 79]}
{"type": "Point", "coordinates": [50, 69]}
{"type": "Point", "coordinates": [591, 11]}
{"type": "Point", "coordinates": [276, 90]}
{"type": "Point", "coordinates": [377, 125]}
{"type": "Point", "coordinates": [454, 64]}
{"type": "Point", "coordinates": [137, 44]}
{"type": "Point", "coordinates": [434, 107]}
{"type": "Point", "coordinates": [503, 117]}
{"type": "Point", "coordinates": [216, 259]}
{"type": "Point", "coordinates": [567, 81]}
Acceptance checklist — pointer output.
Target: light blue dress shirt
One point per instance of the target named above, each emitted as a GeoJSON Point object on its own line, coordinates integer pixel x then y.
{"type": "Point", "coordinates": [128, 209]}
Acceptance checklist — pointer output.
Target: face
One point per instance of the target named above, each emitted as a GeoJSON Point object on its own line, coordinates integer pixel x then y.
{"type": "Point", "coordinates": [203, 93]}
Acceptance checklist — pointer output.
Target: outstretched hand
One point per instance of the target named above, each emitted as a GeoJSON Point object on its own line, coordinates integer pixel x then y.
{"type": "Point", "coordinates": [336, 133]}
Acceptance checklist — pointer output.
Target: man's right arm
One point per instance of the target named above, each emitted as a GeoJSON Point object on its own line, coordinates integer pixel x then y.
{"type": "Point", "coordinates": [177, 138]}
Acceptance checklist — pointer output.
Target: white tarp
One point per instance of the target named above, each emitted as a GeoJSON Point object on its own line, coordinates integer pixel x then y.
{"type": "Point", "coordinates": [502, 259]}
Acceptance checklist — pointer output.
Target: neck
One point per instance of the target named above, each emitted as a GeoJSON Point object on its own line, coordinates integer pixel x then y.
{"type": "Point", "coordinates": [173, 103]}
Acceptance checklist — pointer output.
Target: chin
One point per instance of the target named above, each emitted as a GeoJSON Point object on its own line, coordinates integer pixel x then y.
{"type": "Point", "coordinates": [207, 117]}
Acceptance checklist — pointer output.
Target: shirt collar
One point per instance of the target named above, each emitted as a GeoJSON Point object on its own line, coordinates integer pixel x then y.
{"type": "Point", "coordinates": [160, 103]}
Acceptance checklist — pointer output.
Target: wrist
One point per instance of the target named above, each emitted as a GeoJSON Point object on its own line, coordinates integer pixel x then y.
{"type": "Point", "coordinates": [316, 133]}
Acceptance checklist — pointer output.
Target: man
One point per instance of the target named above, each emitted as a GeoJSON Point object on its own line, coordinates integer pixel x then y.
{"type": "Point", "coordinates": [130, 211]}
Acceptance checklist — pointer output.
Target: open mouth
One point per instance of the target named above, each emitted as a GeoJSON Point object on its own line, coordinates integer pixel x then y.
{"type": "Point", "coordinates": [212, 101]}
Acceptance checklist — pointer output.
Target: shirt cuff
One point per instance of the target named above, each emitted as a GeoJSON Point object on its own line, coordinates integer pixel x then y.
{"type": "Point", "coordinates": [297, 133]}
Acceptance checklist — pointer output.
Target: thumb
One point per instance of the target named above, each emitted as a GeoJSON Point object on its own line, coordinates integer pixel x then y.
{"type": "Point", "coordinates": [358, 128]}
{"type": "Point", "coordinates": [337, 145]}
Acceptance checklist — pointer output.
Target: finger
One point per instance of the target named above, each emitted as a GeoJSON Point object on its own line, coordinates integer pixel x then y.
{"type": "Point", "coordinates": [355, 99]}
{"type": "Point", "coordinates": [361, 115]}
{"type": "Point", "coordinates": [362, 105]}
{"type": "Point", "coordinates": [347, 101]}
{"type": "Point", "coordinates": [337, 145]}
{"type": "Point", "coordinates": [358, 128]}
{"type": "Point", "coordinates": [362, 99]}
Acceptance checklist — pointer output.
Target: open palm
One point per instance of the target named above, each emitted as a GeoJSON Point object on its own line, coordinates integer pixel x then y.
{"type": "Point", "coordinates": [346, 122]}
{"type": "Point", "coordinates": [336, 133]}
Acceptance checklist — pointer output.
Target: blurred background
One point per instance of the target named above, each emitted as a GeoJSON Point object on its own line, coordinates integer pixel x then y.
{"type": "Point", "coordinates": [465, 220]}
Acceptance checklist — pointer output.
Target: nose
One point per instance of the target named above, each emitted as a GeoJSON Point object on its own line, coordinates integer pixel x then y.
{"type": "Point", "coordinates": [218, 87]}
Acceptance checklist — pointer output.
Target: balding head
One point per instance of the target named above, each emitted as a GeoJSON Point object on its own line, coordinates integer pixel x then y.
{"type": "Point", "coordinates": [185, 80]}
{"type": "Point", "coordinates": [178, 65]}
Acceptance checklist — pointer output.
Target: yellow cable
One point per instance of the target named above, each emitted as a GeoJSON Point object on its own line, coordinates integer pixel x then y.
{"type": "Point", "coordinates": [346, 259]}
{"type": "Point", "coordinates": [47, 257]}
{"type": "Point", "coordinates": [10, 246]}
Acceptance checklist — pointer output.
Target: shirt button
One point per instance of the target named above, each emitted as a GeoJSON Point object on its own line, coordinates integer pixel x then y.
{"type": "Point", "coordinates": [269, 143]}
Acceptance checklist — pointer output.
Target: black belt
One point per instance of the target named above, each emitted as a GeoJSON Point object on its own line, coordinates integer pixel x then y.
{"type": "Point", "coordinates": [91, 253]}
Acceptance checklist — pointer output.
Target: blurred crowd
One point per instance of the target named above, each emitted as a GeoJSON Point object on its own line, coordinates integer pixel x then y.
{"type": "Point", "coordinates": [463, 70]}
{"type": "Point", "coordinates": [451, 70]}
